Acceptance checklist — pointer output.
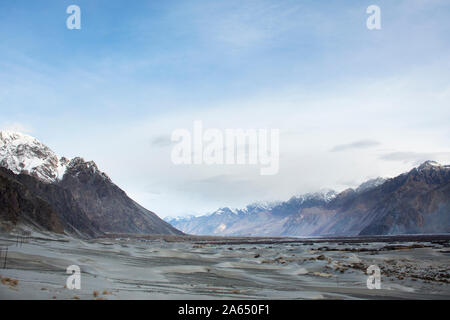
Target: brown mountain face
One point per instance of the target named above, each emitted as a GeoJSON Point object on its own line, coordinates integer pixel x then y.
{"type": "Point", "coordinates": [59, 195]}
{"type": "Point", "coordinates": [419, 203]}
{"type": "Point", "coordinates": [74, 196]}
{"type": "Point", "coordinates": [71, 214]}
{"type": "Point", "coordinates": [414, 202]}
{"type": "Point", "coordinates": [106, 204]}
{"type": "Point", "coordinates": [19, 205]}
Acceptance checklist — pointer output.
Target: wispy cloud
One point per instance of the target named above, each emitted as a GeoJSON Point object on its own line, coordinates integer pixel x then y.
{"type": "Point", "coordinates": [361, 144]}
{"type": "Point", "coordinates": [114, 91]}
{"type": "Point", "coordinates": [253, 23]}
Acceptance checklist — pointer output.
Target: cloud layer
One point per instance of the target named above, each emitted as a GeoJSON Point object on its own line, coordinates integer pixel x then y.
{"type": "Point", "coordinates": [361, 144]}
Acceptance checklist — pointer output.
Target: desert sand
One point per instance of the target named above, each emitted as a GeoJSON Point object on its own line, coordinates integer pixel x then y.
{"type": "Point", "coordinates": [120, 267]}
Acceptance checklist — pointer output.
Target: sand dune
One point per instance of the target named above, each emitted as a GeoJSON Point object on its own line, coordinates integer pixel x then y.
{"type": "Point", "coordinates": [207, 268]}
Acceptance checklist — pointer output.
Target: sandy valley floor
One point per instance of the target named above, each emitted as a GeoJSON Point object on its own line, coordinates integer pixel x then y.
{"type": "Point", "coordinates": [157, 269]}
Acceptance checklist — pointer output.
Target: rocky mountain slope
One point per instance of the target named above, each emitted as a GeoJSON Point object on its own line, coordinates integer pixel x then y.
{"type": "Point", "coordinates": [267, 219]}
{"type": "Point", "coordinates": [18, 205]}
{"type": "Point", "coordinates": [26, 200]}
{"type": "Point", "coordinates": [106, 204]}
{"type": "Point", "coordinates": [83, 198]}
{"type": "Point", "coordinates": [22, 153]}
{"type": "Point", "coordinates": [417, 202]}
{"type": "Point", "coordinates": [223, 221]}
{"type": "Point", "coordinates": [414, 202]}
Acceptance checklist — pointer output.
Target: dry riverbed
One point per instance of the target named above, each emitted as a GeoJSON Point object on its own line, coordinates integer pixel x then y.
{"type": "Point", "coordinates": [220, 268]}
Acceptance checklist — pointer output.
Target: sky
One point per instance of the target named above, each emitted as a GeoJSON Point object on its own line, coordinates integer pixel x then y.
{"type": "Point", "coordinates": [351, 103]}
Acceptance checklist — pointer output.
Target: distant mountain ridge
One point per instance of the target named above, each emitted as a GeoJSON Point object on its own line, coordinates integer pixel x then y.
{"type": "Point", "coordinates": [57, 194]}
{"type": "Point", "coordinates": [255, 219]}
{"type": "Point", "coordinates": [84, 199]}
{"type": "Point", "coordinates": [414, 202]}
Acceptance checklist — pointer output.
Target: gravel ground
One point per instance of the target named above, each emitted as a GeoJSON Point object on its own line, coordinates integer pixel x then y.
{"type": "Point", "coordinates": [207, 268]}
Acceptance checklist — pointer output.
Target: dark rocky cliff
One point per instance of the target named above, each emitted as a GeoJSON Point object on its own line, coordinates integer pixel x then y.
{"type": "Point", "coordinates": [18, 204]}
{"type": "Point", "coordinates": [414, 202]}
{"type": "Point", "coordinates": [58, 194]}
{"type": "Point", "coordinates": [106, 204]}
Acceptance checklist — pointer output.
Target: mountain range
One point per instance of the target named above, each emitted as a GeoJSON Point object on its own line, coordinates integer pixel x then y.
{"type": "Point", "coordinates": [39, 189]}
{"type": "Point", "coordinates": [415, 202]}
{"type": "Point", "coordinates": [42, 190]}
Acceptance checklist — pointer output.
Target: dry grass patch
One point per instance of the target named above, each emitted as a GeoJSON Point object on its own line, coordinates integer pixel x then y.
{"type": "Point", "coordinates": [9, 282]}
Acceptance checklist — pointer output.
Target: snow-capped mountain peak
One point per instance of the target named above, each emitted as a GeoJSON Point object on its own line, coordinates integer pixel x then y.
{"type": "Point", "coordinates": [261, 206]}
{"type": "Point", "coordinates": [430, 164]}
{"type": "Point", "coordinates": [225, 210]}
{"type": "Point", "coordinates": [22, 153]}
{"type": "Point", "coordinates": [370, 184]}
{"type": "Point", "coordinates": [325, 194]}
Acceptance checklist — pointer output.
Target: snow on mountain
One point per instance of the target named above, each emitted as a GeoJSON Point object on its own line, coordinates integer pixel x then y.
{"type": "Point", "coordinates": [75, 189]}
{"type": "Point", "coordinates": [370, 184]}
{"type": "Point", "coordinates": [225, 210]}
{"type": "Point", "coordinates": [325, 195]}
{"type": "Point", "coordinates": [414, 202]}
{"type": "Point", "coordinates": [432, 165]}
{"type": "Point", "coordinates": [178, 218]}
{"type": "Point", "coordinates": [258, 218]}
{"type": "Point", "coordinates": [251, 208]}
{"type": "Point", "coordinates": [22, 153]}
{"type": "Point", "coordinates": [261, 206]}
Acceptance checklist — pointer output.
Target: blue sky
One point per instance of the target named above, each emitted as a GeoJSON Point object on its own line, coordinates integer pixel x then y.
{"type": "Point", "coordinates": [138, 70]}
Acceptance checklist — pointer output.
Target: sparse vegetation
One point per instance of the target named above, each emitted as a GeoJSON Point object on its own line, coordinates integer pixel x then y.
{"type": "Point", "coordinates": [9, 282]}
